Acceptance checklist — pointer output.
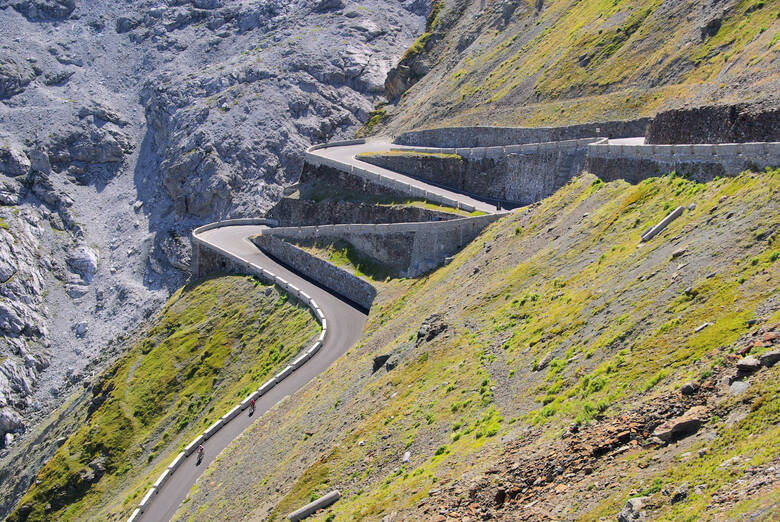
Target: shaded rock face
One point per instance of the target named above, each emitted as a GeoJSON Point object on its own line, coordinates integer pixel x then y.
{"type": "Point", "coordinates": [716, 124]}
{"type": "Point", "coordinates": [239, 128]}
{"type": "Point", "coordinates": [42, 9]}
{"type": "Point", "coordinates": [15, 76]}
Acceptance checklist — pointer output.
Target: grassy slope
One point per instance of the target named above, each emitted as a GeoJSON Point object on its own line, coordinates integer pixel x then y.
{"type": "Point", "coordinates": [588, 60]}
{"type": "Point", "coordinates": [212, 343]}
{"type": "Point", "coordinates": [566, 278]}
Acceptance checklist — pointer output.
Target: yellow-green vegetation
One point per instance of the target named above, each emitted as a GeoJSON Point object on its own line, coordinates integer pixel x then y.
{"type": "Point", "coordinates": [410, 154]}
{"type": "Point", "coordinates": [578, 61]}
{"type": "Point", "coordinates": [442, 208]}
{"type": "Point", "coordinates": [375, 117]}
{"type": "Point", "coordinates": [342, 254]}
{"type": "Point", "coordinates": [752, 440]}
{"type": "Point", "coordinates": [3, 224]}
{"type": "Point", "coordinates": [322, 191]}
{"type": "Point", "coordinates": [431, 24]}
{"type": "Point", "coordinates": [554, 315]}
{"type": "Point", "coordinates": [213, 342]}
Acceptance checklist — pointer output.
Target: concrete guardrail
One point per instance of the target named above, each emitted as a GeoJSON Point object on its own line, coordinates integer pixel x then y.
{"type": "Point", "coordinates": [657, 229]}
{"type": "Point", "coordinates": [312, 507]}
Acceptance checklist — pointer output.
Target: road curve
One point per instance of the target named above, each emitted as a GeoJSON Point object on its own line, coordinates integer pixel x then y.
{"type": "Point", "coordinates": [346, 156]}
{"type": "Point", "coordinates": [345, 325]}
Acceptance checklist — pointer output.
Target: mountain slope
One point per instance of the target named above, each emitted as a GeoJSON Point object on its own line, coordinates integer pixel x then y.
{"type": "Point", "coordinates": [552, 62]}
{"type": "Point", "coordinates": [556, 326]}
{"type": "Point", "coordinates": [212, 344]}
{"type": "Point", "coordinates": [123, 125]}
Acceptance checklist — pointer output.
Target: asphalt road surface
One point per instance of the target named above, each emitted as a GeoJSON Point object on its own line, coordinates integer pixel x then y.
{"type": "Point", "coordinates": [345, 325]}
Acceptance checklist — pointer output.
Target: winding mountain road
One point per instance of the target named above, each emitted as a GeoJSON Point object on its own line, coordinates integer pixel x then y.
{"type": "Point", "coordinates": [345, 326]}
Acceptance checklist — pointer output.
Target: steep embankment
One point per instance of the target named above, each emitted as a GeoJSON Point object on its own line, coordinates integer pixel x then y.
{"type": "Point", "coordinates": [558, 61]}
{"type": "Point", "coordinates": [556, 322]}
{"type": "Point", "coordinates": [212, 343]}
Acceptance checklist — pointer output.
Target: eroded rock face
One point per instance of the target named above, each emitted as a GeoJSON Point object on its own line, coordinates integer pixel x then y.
{"type": "Point", "coordinates": [15, 76]}
{"type": "Point", "coordinates": [238, 129]}
{"type": "Point", "coordinates": [738, 123]}
{"type": "Point", "coordinates": [88, 143]}
{"type": "Point", "coordinates": [42, 9]}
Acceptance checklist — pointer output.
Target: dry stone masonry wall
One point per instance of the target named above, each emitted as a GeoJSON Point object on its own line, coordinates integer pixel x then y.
{"type": "Point", "coordinates": [407, 249]}
{"type": "Point", "coordinates": [338, 280]}
{"type": "Point", "coordinates": [461, 137]}
{"type": "Point", "coordinates": [303, 212]}
{"type": "Point", "coordinates": [739, 123]}
{"type": "Point", "coordinates": [513, 174]}
{"type": "Point", "coordinates": [700, 162]}
{"type": "Point", "coordinates": [397, 186]}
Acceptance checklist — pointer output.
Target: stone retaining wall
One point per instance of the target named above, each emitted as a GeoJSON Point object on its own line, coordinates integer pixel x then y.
{"type": "Point", "coordinates": [408, 249]}
{"type": "Point", "coordinates": [515, 174]}
{"type": "Point", "coordinates": [389, 184]}
{"type": "Point", "coordinates": [203, 250]}
{"type": "Point", "coordinates": [498, 136]}
{"type": "Point", "coordinates": [304, 212]}
{"type": "Point", "coordinates": [332, 277]}
{"type": "Point", "coordinates": [699, 162]}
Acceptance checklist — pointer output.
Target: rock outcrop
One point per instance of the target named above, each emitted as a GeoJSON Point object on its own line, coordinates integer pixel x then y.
{"type": "Point", "coordinates": [738, 123]}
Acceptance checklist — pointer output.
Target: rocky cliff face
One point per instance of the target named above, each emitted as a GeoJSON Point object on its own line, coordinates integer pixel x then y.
{"type": "Point", "coordinates": [124, 125]}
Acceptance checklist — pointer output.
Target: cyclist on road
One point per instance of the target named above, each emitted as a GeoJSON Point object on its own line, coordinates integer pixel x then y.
{"type": "Point", "coordinates": [251, 406]}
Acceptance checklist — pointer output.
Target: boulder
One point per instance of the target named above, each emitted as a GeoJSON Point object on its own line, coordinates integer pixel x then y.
{"type": "Point", "coordinates": [83, 261]}
{"type": "Point", "coordinates": [681, 426]}
{"type": "Point", "coordinates": [80, 329]}
{"type": "Point", "coordinates": [748, 365]}
{"type": "Point", "coordinates": [689, 388]}
{"type": "Point", "coordinates": [738, 387]}
{"type": "Point", "coordinates": [13, 161]}
{"type": "Point", "coordinates": [379, 361]}
{"type": "Point", "coordinates": [680, 494]}
{"type": "Point", "coordinates": [542, 364]}
{"type": "Point", "coordinates": [769, 358]}
{"type": "Point", "coordinates": [632, 510]}
{"type": "Point", "coordinates": [431, 327]}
